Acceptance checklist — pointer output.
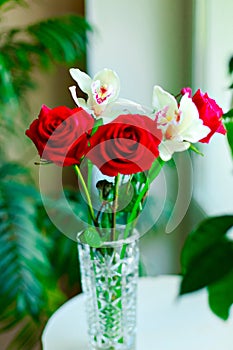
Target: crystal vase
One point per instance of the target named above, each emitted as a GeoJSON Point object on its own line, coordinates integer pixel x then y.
{"type": "Point", "coordinates": [109, 282]}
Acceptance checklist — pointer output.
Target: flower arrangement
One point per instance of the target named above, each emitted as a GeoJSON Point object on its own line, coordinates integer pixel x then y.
{"type": "Point", "coordinates": [127, 144]}
{"type": "Point", "coordinates": [124, 140]}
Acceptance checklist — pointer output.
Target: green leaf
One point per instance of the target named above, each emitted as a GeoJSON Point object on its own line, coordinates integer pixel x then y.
{"type": "Point", "coordinates": [7, 170]}
{"type": "Point", "coordinates": [91, 237]}
{"type": "Point", "coordinates": [208, 232]}
{"type": "Point", "coordinates": [228, 123]}
{"type": "Point", "coordinates": [221, 296]}
{"type": "Point", "coordinates": [98, 123]}
{"type": "Point", "coordinates": [229, 127]}
{"type": "Point", "coordinates": [64, 259]}
{"type": "Point", "coordinates": [208, 266]}
{"type": "Point", "coordinates": [106, 219]}
{"type": "Point", "coordinates": [62, 38]}
{"type": "Point", "coordinates": [29, 290]}
{"type": "Point", "coordinates": [196, 150]}
{"type": "Point", "coordinates": [230, 65]}
{"type": "Point", "coordinates": [24, 253]}
{"type": "Point", "coordinates": [2, 2]}
{"type": "Point", "coordinates": [127, 198]}
{"type": "Point", "coordinates": [26, 337]}
{"type": "Point", "coordinates": [140, 178]}
{"type": "Point", "coordinates": [228, 114]}
{"type": "Point", "coordinates": [7, 88]}
{"type": "Point", "coordinates": [17, 2]}
{"type": "Point", "coordinates": [155, 169]}
{"type": "Point", "coordinates": [207, 255]}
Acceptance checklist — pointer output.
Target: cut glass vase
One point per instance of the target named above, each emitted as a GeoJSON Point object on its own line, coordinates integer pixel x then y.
{"type": "Point", "coordinates": [109, 282]}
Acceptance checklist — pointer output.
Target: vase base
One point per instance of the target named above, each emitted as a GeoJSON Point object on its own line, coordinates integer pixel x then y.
{"type": "Point", "coordinates": [114, 347]}
{"type": "Point", "coordinates": [109, 282]}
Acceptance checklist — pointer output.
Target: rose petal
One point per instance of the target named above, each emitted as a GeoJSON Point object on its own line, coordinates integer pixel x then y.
{"type": "Point", "coordinates": [221, 129]}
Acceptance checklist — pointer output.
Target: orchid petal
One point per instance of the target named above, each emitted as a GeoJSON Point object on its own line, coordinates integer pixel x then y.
{"type": "Point", "coordinates": [196, 132]}
{"type": "Point", "coordinates": [188, 109]}
{"type": "Point", "coordinates": [168, 147]}
{"type": "Point", "coordinates": [82, 79]}
{"type": "Point", "coordinates": [124, 106]}
{"type": "Point", "coordinates": [82, 103]}
{"type": "Point", "coordinates": [101, 91]}
{"type": "Point", "coordinates": [74, 94]}
{"type": "Point", "coordinates": [110, 79]}
{"type": "Point", "coordinates": [191, 126]}
{"type": "Point", "coordinates": [162, 99]}
{"type": "Point", "coordinates": [98, 109]}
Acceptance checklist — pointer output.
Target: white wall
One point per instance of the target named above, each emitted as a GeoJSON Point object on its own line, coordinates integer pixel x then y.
{"type": "Point", "coordinates": [143, 41]}
{"type": "Point", "coordinates": [213, 185]}
{"type": "Point", "coordinates": [148, 42]}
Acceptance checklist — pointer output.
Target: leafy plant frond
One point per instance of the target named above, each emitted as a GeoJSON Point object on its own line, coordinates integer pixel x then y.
{"type": "Point", "coordinates": [23, 251]}
{"type": "Point", "coordinates": [230, 65]}
{"type": "Point", "coordinates": [29, 290]}
{"type": "Point", "coordinates": [34, 256]}
{"type": "Point", "coordinates": [6, 82]}
{"type": "Point", "coordinates": [11, 3]}
{"type": "Point", "coordinates": [207, 261]}
{"type": "Point", "coordinates": [59, 40]}
{"type": "Point", "coordinates": [228, 122]}
{"type": "Point", "coordinates": [63, 39]}
{"type": "Point", "coordinates": [25, 338]}
{"type": "Point", "coordinates": [63, 256]}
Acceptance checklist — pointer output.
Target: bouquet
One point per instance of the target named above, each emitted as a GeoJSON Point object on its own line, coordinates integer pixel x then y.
{"type": "Point", "coordinates": [119, 147]}
{"type": "Point", "coordinates": [128, 143]}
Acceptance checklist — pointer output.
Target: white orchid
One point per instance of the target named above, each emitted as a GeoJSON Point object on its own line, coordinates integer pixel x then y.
{"type": "Point", "coordinates": [180, 125]}
{"type": "Point", "coordinates": [102, 90]}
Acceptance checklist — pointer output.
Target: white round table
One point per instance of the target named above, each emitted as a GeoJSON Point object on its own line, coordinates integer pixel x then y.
{"type": "Point", "coordinates": [165, 322]}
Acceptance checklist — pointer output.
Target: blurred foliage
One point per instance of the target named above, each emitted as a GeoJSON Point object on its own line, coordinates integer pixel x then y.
{"type": "Point", "coordinates": [230, 69]}
{"type": "Point", "coordinates": [38, 265]}
{"type": "Point", "coordinates": [53, 40]}
{"type": "Point", "coordinates": [42, 45]}
{"type": "Point", "coordinates": [228, 122]}
{"type": "Point", "coordinates": [207, 255]}
{"type": "Point", "coordinates": [207, 261]}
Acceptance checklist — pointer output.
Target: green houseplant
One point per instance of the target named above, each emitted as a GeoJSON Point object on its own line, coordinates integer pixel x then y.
{"type": "Point", "coordinates": [206, 257]}
{"type": "Point", "coordinates": [30, 272]}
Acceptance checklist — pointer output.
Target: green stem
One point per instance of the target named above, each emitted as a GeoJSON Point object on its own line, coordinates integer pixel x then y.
{"type": "Point", "coordinates": [129, 183]}
{"type": "Point", "coordinates": [89, 184]}
{"type": "Point", "coordinates": [85, 189]}
{"type": "Point", "coordinates": [155, 169]}
{"type": "Point", "coordinates": [115, 206]}
{"type": "Point", "coordinates": [153, 173]}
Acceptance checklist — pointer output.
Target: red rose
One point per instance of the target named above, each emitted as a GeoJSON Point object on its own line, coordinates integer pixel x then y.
{"type": "Point", "coordinates": [127, 145]}
{"type": "Point", "coordinates": [210, 113]}
{"type": "Point", "coordinates": [60, 134]}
